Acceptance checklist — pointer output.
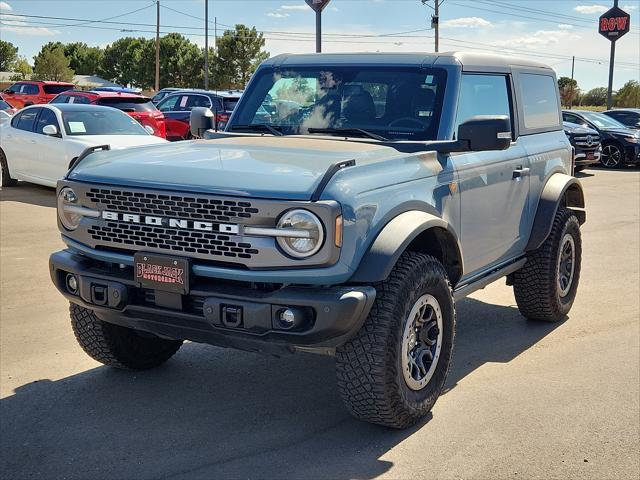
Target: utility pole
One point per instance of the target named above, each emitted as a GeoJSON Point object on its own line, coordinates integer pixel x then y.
{"type": "Point", "coordinates": [157, 45]}
{"type": "Point", "coordinates": [573, 63]}
{"type": "Point", "coordinates": [206, 44]}
{"type": "Point", "coordinates": [435, 22]}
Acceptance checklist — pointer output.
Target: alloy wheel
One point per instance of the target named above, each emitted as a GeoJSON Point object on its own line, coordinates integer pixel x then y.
{"type": "Point", "coordinates": [421, 342]}
{"type": "Point", "coordinates": [566, 264]}
{"type": "Point", "coordinates": [611, 156]}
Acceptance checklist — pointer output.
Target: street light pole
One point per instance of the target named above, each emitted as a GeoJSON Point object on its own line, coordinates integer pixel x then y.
{"type": "Point", "coordinates": [318, 31]}
{"type": "Point", "coordinates": [157, 45]}
{"type": "Point", "coordinates": [435, 21]}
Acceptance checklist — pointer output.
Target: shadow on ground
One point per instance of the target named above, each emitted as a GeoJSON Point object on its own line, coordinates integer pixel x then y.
{"type": "Point", "coordinates": [29, 193]}
{"type": "Point", "coordinates": [215, 413]}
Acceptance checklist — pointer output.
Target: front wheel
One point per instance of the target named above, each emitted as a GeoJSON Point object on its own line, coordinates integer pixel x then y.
{"type": "Point", "coordinates": [5, 175]}
{"type": "Point", "coordinates": [392, 372]}
{"type": "Point", "coordinates": [546, 286]}
{"type": "Point", "coordinates": [612, 156]}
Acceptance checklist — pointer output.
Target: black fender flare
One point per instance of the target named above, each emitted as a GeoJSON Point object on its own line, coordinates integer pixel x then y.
{"type": "Point", "coordinates": [560, 189]}
{"type": "Point", "coordinates": [393, 240]}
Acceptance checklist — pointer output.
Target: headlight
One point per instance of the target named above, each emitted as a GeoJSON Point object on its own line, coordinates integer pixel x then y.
{"type": "Point", "coordinates": [631, 139]}
{"type": "Point", "coordinates": [69, 218]}
{"type": "Point", "coordinates": [307, 233]}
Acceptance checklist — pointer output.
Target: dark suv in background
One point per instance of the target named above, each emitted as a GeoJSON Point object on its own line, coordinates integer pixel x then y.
{"type": "Point", "coordinates": [629, 117]}
{"type": "Point", "coordinates": [586, 145]}
{"type": "Point", "coordinates": [177, 107]}
{"type": "Point", "coordinates": [620, 144]}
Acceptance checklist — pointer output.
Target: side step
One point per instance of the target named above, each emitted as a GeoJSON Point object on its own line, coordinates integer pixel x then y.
{"type": "Point", "coordinates": [485, 280]}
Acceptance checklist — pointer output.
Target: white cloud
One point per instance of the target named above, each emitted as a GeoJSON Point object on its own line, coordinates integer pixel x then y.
{"type": "Point", "coordinates": [588, 9]}
{"type": "Point", "coordinates": [5, 6]}
{"type": "Point", "coordinates": [295, 7]}
{"type": "Point", "coordinates": [541, 38]}
{"type": "Point", "coordinates": [18, 24]}
{"type": "Point", "coordinates": [628, 8]}
{"type": "Point", "coordinates": [466, 22]}
{"type": "Point", "coordinates": [277, 15]}
{"type": "Point", "coordinates": [564, 26]}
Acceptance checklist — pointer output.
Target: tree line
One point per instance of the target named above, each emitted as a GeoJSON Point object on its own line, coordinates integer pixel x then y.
{"type": "Point", "coordinates": [571, 94]}
{"type": "Point", "coordinates": [130, 61]}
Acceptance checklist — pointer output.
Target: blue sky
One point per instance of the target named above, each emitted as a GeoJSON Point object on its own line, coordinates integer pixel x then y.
{"type": "Point", "coordinates": [547, 30]}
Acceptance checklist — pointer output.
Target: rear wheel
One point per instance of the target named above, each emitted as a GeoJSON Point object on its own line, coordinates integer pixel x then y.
{"type": "Point", "coordinates": [392, 372]}
{"type": "Point", "coordinates": [118, 346]}
{"type": "Point", "coordinates": [612, 156]}
{"type": "Point", "coordinates": [5, 175]}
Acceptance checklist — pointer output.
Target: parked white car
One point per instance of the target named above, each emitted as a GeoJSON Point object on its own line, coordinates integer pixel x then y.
{"type": "Point", "coordinates": [39, 143]}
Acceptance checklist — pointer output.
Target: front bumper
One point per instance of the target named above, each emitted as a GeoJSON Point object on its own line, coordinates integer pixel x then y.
{"type": "Point", "coordinates": [229, 314]}
{"type": "Point", "coordinates": [581, 159]}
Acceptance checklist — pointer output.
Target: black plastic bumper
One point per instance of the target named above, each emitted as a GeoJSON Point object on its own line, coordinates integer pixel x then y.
{"type": "Point", "coordinates": [237, 315]}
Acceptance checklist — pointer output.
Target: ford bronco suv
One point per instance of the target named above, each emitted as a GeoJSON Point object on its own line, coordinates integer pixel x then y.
{"type": "Point", "coordinates": [380, 189]}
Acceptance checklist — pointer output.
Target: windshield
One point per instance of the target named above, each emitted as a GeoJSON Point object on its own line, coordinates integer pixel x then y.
{"type": "Point", "coordinates": [100, 122]}
{"type": "Point", "coordinates": [602, 121]}
{"type": "Point", "coordinates": [395, 103]}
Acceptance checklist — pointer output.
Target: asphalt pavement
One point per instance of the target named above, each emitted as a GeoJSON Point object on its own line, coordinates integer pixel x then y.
{"type": "Point", "coordinates": [523, 400]}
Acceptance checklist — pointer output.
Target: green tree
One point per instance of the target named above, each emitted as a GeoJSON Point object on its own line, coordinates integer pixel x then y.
{"type": "Point", "coordinates": [8, 55]}
{"type": "Point", "coordinates": [124, 62]}
{"type": "Point", "coordinates": [239, 54]}
{"type": "Point", "coordinates": [181, 62]}
{"type": "Point", "coordinates": [51, 64]}
{"type": "Point", "coordinates": [22, 68]}
{"type": "Point", "coordinates": [628, 95]}
{"type": "Point", "coordinates": [83, 59]}
{"type": "Point", "coordinates": [595, 97]}
{"type": "Point", "coordinates": [568, 90]}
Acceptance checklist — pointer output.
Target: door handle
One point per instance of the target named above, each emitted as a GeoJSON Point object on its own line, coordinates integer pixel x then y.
{"type": "Point", "coordinates": [521, 172]}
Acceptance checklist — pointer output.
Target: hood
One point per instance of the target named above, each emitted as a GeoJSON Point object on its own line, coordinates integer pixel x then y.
{"type": "Point", "coordinates": [575, 129]}
{"type": "Point", "coordinates": [117, 142]}
{"type": "Point", "coordinates": [625, 132]}
{"type": "Point", "coordinates": [256, 166]}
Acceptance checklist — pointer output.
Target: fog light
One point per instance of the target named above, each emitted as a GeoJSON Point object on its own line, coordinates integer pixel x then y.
{"type": "Point", "coordinates": [72, 283]}
{"type": "Point", "coordinates": [287, 318]}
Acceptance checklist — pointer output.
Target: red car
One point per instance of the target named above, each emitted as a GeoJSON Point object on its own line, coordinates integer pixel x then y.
{"type": "Point", "coordinates": [33, 92]}
{"type": "Point", "coordinates": [137, 106]}
{"type": "Point", "coordinates": [6, 106]}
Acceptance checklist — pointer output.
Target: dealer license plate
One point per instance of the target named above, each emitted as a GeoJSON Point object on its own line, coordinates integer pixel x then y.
{"type": "Point", "coordinates": [590, 156]}
{"type": "Point", "coordinates": [161, 272]}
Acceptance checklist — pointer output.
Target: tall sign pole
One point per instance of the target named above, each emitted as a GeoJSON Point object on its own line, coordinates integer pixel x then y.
{"type": "Point", "coordinates": [318, 6]}
{"type": "Point", "coordinates": [206, 44]}
{"type": "Point", "coordinates": [435, 21]}
{"type": "Point", "coordinates": [612, 25]}
{"type": "Point", "coordinates": [158, 45]}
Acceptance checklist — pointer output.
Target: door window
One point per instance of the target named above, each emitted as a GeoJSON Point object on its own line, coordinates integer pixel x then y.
{"type": "Point", "coordinates": [16, 88]}
{"type": "Point", "coordinates": [195, 101]}
{"type": "Point", "coordinates": [26, 120]}
{"type": "Point", "coordinates": [79, 99]}
{"type": "Point", "coordinates": [60, 99]}
{"type": "Point", "coordinates": [47, 117]}
{"type": "Point", "coordinates": [540, 101]}
{"type": "Point", "coordinates": [30, 89]}
{"type": "Point", "coordinates": [169, 103]}
{"type": "Point", "coordinates": [483, 95]}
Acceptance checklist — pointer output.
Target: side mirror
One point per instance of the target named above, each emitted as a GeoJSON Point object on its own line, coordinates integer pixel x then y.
{"type": "Point", "coordinates": [50, 130]}
{"type": "Point", "coordinates": [8, 91]}
{"type": "Point", "coordinates": [149, 129]}
{"type": "Point", "coordinates": [200, 120]}
{"type": "Point", "coordinates": [478, 134]}
{"type": "Point", "coordinates": [486, 132]}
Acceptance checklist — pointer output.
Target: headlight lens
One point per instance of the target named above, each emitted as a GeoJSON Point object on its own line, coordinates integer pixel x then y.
{"type": "Point", "coordinates": [69, 220]}
{"type": "Point", "coordinates": [306, 223]}
{"type": "Point", "coordinates": [631, 139]}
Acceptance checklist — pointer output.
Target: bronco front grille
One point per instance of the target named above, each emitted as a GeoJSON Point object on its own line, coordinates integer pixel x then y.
{"type": "Point", "coordinates": [181, 206]}
{"type": "Point", "coordinates": [186, 241]}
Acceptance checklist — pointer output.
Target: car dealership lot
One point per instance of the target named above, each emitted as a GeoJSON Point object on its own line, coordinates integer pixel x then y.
{"type": "Point", "coordinates": [523, 400]}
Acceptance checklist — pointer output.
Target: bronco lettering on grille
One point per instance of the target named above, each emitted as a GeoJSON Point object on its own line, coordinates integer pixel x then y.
{"type": "Point", "coordinates": [171, 222]}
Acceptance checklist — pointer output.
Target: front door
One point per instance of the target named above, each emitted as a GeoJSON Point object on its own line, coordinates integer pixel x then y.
{"type": "Point", "coordinates": [50, 160]}
{"type": "Point", "coordinates": [494, 186]}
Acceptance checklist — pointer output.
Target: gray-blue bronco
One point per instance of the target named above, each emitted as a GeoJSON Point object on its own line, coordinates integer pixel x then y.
{"type": "Point", "coordinates": [351, 199]}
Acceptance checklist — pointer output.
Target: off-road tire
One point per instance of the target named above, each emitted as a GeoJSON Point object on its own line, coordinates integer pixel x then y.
{"type": "Point", "coordinates": [369, 366]}
{"type": "Point", "coordinates": [536, 284]}
{"type": "Point", "coordinates": [7, 181]}
{"type": "Point", "coordinates": [118, 346]}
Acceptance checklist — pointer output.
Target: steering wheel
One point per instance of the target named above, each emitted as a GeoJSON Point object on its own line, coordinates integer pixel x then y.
{"type": "Point", "coordinates": [411, 120]}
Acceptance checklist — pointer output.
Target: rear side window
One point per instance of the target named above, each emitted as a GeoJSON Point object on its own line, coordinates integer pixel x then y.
{"type": "Point", "coordinates": [129, 104]}
{"type": "Point", "coordinates": [229, 104]}
{"type": "Point", "coordinates": [30, 89]}
{"type": "Point", "coordinates": [540, 101]}
{"type": "Point", "coordinates": [482, 95]}
{"type": "Point", "coordinates": [195, 101]}
{"type": "Point", "coordinates": [26, 119]}
{"type": "Point", "coordinates": [169, 104]}
{"type": "Point", "coordinates": [79, 99]}
{"type": "Point", "coordinates": [55, 89]}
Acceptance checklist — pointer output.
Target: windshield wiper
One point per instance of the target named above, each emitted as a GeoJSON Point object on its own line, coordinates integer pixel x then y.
{"type": "Point", "coordinates": [259, 126]}
{"type": "Point", "coordinates": [349, 131]}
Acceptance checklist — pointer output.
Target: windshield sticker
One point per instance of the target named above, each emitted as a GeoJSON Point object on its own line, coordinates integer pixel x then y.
{"type": "Point", "coordinates": [183, 101]}
{"type": "Point", "coordinates": [77, 127]}
{"type": "Point", "coordinates": [72, 99]}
